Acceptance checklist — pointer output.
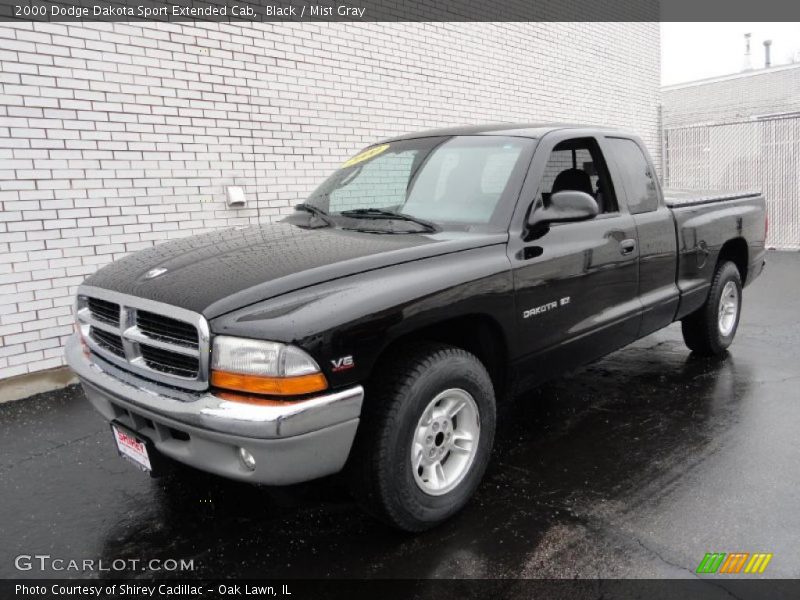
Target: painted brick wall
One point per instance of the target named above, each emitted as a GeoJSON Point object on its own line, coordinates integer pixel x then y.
{"type": "Point", "coordinates": [114, 137]}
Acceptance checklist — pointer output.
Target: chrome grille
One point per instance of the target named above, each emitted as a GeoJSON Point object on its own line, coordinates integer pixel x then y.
{"type": "Point", "coordinates": [158, 341]}
{"type": "Point", "coordinates": [108, 341]}
{"type": "Point", "coordinates": [108, 312]}
{"type": "Point", "coordinates": [166, 329]}
{"type": "Point", "coordinates": [169, 362]}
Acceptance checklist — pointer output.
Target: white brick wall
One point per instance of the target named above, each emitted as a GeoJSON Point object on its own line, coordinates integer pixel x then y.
{"type": "Point", "coordinates": [114, 137]}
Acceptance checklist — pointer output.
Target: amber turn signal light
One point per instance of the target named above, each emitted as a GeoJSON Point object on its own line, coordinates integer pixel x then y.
{"type": "Point", "coordinates": [273, 386]}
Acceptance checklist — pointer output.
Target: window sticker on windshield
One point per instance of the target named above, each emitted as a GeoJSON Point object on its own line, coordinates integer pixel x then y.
{"type": "Point", "coordinates": [365, 155]}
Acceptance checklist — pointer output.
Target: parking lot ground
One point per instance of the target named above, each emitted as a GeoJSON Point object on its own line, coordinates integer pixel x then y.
{"type": "Point", "coordinates": [635, 466]}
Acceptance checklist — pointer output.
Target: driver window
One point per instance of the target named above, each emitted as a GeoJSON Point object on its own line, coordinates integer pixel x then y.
{"type": "Point", "coordinates": [578, 164]}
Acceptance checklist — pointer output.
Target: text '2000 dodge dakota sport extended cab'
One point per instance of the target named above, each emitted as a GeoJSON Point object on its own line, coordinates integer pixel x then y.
{"type": "Point", "coordinates": [372, 330]}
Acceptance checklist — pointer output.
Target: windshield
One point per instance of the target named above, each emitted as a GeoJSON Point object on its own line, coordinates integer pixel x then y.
{"type": "Point", "coordinates": [453, 182]}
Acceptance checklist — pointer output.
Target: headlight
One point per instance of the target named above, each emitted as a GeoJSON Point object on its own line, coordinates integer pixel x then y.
{"type": "Point", "coordinates": [264, 368]}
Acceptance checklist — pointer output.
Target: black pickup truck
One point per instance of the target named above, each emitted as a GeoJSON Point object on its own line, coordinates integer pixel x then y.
{"type": "Point", "coordinates": [373, 330]}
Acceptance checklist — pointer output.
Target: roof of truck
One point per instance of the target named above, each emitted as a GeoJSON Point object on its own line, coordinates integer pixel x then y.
{"type": "Point", "coordinates": [531, 130]}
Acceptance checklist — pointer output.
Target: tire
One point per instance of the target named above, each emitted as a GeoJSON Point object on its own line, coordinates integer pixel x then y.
{"type": "Point", "coordinates": [708, 331]}
{"type": "Point", "coordinates": [393, 432]}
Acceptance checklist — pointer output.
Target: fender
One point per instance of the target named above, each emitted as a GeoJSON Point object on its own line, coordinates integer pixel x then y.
{"type": "Point", "coordinates": [347, 323]}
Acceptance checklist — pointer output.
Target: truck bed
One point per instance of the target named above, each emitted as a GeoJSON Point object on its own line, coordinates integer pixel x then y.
{"type": "Point", "coordinates": [676, 198]}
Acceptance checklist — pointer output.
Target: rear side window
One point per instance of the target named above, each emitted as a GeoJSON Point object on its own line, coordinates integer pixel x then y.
{"type": "Point", "coordinates": [636, 174]}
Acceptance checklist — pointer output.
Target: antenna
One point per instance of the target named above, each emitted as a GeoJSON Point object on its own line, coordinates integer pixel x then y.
{"type": "Point", "coordinates": [748, 63]}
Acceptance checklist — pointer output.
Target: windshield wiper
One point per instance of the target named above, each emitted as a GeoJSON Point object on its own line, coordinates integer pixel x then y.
{"type": "Point", "coordinates": [382, 213]}
{"type": "Point", "coordinates": [316, 211]}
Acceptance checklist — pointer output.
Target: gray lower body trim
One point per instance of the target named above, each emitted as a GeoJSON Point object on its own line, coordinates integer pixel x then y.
{"type": "Point", "coordinates": [291, 442]}
{"type": "Point", "coordinates": [277, 461]}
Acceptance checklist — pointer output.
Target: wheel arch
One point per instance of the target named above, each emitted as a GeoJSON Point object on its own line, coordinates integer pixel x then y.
{"type": "Point", "coordinates": [479, 334]}
{"type": "Point", "coordinates": [736, 251]}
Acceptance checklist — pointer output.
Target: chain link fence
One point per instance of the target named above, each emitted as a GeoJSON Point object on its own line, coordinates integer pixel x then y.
{"type": "Point", "coordinates": [762, 154]}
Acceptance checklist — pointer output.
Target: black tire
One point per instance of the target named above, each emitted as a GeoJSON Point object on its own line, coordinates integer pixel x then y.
{"type": "Point", "coordinates": [382, 477]}
{"type": "Point", "coordinates": [702, 330]}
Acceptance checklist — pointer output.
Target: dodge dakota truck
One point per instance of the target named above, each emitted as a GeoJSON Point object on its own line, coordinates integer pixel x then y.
{"type": "Point", "coordinates": [373, 329]}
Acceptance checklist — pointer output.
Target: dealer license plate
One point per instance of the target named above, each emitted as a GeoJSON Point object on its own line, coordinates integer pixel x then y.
{"type": "Point", "coordinates": [132, 446]}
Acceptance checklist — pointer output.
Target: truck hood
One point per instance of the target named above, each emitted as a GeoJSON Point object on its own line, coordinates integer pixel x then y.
{"type": "Point", "coordinates": [224, 270]}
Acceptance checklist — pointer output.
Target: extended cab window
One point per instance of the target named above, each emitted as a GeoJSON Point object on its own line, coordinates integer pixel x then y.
{"type": "Point", "coordinates": [458, 182]}
{"type": "Point", "coordinates": [637, 177]}
{"type": "Point", "coordinates": [578, 164]}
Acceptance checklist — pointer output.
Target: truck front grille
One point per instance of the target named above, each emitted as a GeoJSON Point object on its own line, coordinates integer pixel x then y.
{"type": "Point", "coordinates": [166, 329]}
{"type": "Point", "coordinates": [107, 312]}
{"type": "Point", "coordinates": [170, 362]}
{"type": "Point", "coordinates": [107, 341]}
{"type": "Point", "coordinates": [155, 340]}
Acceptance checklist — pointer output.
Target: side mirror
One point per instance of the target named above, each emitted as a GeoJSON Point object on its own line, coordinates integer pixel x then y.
{"type": "Point", "coordinates": [569, 205]}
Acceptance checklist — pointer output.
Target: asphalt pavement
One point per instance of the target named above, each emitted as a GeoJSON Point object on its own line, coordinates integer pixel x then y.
{"type": "Point", "coordinates": [635, 466]}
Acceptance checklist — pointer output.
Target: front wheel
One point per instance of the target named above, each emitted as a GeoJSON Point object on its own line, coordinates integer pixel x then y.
{"type": "Point", "coordinates": [425, 437]}
{"type": "Point", "coordinates": [711, 328]}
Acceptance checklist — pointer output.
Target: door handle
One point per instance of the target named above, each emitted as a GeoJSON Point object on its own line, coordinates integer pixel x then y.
{"type": "Point", "coordinates": [627, 247]}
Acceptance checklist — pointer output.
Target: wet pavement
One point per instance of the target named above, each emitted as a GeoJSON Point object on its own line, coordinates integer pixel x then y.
{"type": "Point", "coordinates": [635, 466]}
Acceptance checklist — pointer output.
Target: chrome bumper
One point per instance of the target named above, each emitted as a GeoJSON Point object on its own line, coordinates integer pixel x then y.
{"type": "Point", "coordinates": [292, 442]}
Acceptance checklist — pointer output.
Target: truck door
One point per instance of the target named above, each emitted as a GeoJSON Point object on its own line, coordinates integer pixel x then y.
{"type": "Point", "coordinates": [576, 283]}
{"type": "Point", "coordinates": [634, 177]}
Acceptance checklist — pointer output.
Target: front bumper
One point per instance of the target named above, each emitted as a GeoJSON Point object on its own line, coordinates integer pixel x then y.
{"type": "Point", "coordinates": [291, 442]}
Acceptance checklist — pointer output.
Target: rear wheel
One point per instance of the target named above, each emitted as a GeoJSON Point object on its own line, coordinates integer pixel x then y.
{"type": "Point", "coordinates": [425, 437]}
{"type": "Point", "coordinates": [711, 328]}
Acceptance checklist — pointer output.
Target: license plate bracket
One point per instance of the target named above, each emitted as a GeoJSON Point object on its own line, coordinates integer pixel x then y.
{"type": "Point", "coordinates": [135, 448]}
